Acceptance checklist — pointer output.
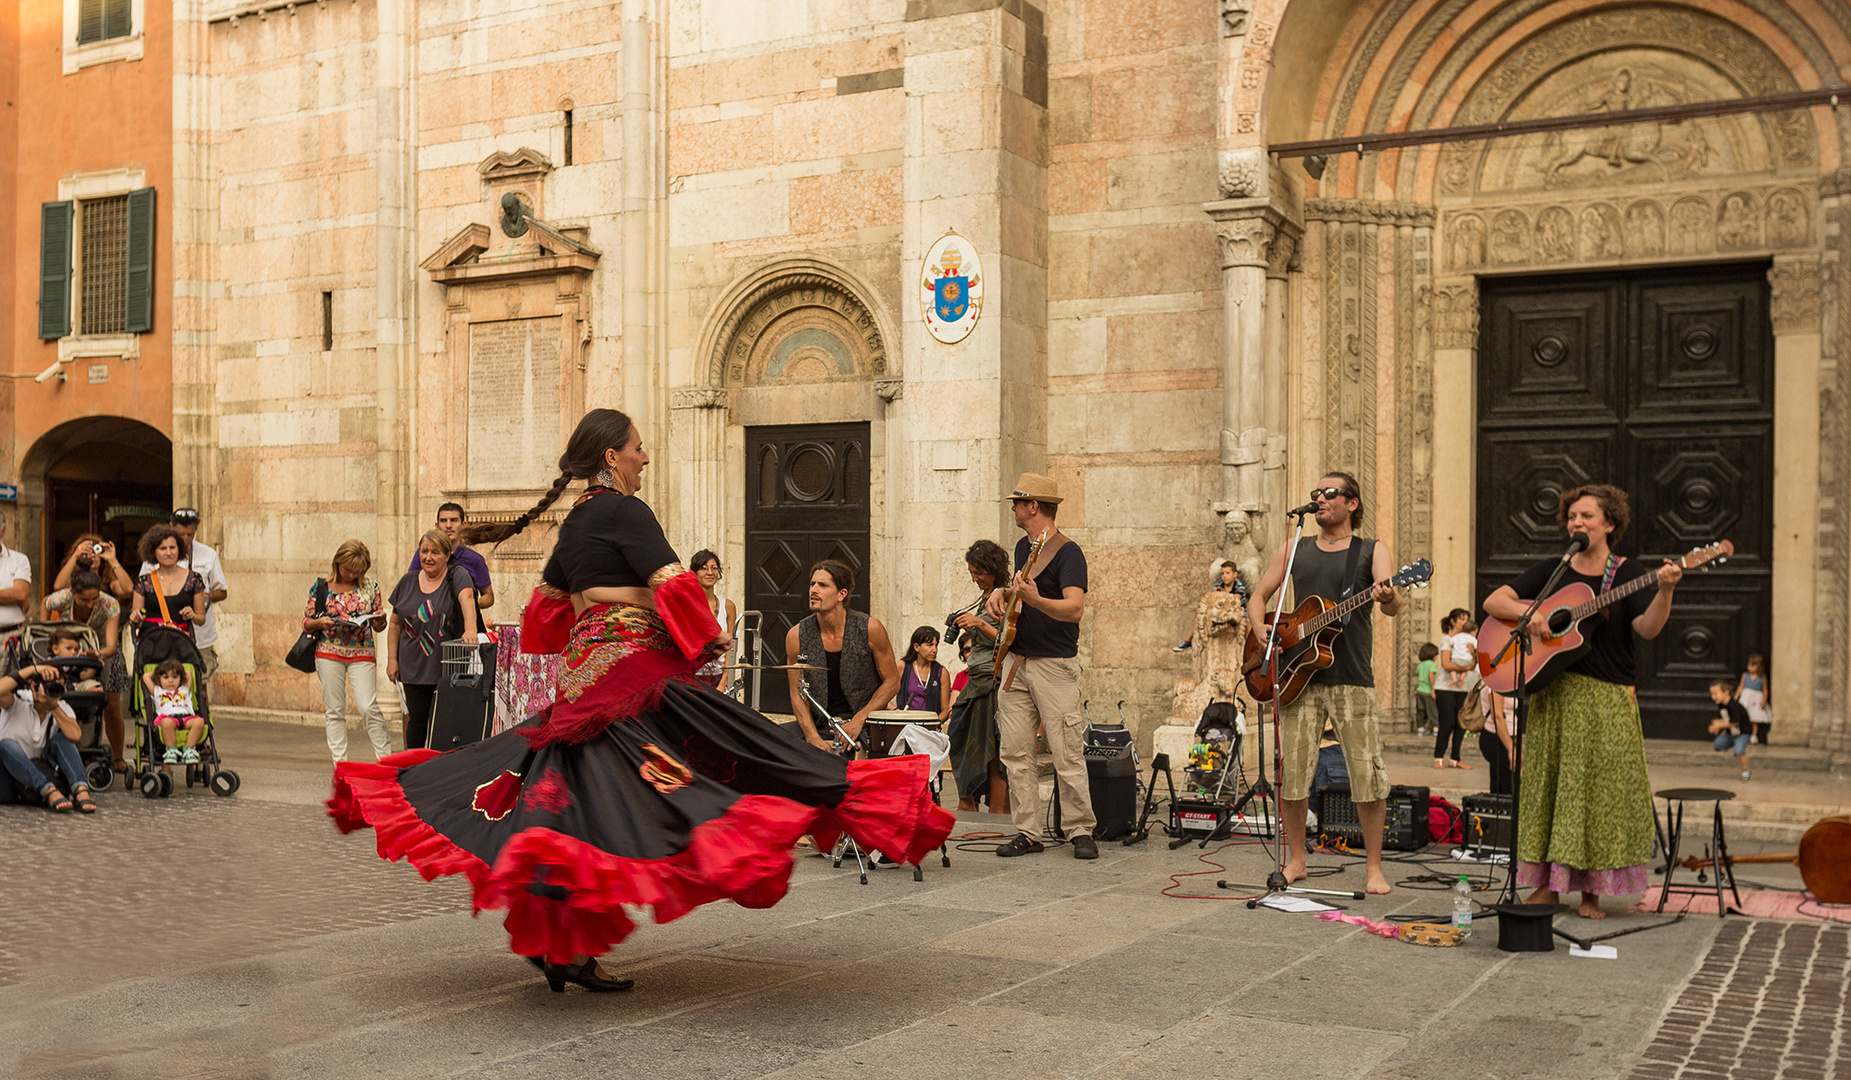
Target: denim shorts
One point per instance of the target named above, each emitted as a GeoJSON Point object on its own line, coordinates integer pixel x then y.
{"type": "Point", "coordinates": [1725, 740]}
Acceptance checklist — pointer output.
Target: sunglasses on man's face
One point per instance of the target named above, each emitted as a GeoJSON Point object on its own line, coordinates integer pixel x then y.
{"type": "Point", "coordinates": [1330, 493]}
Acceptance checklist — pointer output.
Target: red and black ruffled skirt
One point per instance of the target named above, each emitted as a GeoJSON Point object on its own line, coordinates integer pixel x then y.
{"type": "Point", "coordinates": [698, 799]}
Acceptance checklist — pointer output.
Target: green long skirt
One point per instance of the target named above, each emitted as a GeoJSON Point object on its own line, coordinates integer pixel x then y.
{"type": "Point", "coordinates": [974, 738]}
{"type": "Point", "coordinates": [1586, 810]}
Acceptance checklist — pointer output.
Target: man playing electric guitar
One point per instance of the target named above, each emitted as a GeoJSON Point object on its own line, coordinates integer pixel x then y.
{"type": "Point", "coordinates": [1334, 564]}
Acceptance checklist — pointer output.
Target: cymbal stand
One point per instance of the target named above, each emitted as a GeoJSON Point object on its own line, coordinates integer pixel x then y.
{"type": "Point", "coordinates": [844, 843]}
{"type": "Point", "coordinates": [1269, 791]}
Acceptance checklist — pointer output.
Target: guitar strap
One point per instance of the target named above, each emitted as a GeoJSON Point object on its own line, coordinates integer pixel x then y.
{"type": "Point", "coordinates": [1613, 566]}
{"type": "Point", "coordinates": [1042, 559]}
{"type": "Point", "coordinates": [1349, 572]}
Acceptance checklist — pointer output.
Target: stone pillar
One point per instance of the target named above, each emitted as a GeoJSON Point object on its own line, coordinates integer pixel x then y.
{"type": "Point", "coordinates": [697, 459]}
{"type": "Point", "coordinates": [394, 275]}
{"type": "Point", "coordinates": [976, 158]}
{"type": "Point", "coordinates": [1455, 439]}
{"type": "Point", "coordinates": [639, 165]}
{"type": "Point", "coordinates": [1257, 242]}
{"type": "Point", "coordinates": [1795, 285]}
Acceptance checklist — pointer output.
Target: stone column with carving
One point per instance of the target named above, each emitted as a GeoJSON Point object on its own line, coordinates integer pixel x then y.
{"type": "Point", "coordinates": [1253, 233]}
{"type": "Point", "coordinates": [697, 425]}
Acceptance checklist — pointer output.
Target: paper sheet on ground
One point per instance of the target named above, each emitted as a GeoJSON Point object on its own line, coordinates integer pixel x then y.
{"type": "Point", "coordinates": [1294, 904]}
{"type": "Point", "coordinates": [1597, 952]}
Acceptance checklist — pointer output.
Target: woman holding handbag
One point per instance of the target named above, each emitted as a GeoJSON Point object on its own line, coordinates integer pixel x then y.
{"type": "Point", "coordinates": [435, 604]}
{"type": "Point", "coordinates": [345, 609]}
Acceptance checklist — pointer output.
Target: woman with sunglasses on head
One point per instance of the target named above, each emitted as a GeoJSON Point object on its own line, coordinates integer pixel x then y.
{"type": "Point", "coordinates": [706, 567]}
{"type": "Point", "coordinates": [639, 785]}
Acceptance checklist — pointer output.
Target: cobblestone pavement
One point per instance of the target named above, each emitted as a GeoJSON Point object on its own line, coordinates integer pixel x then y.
{"type": "Point", "coordinates": [194, 876]}
{"type": "Point", "coordinates": [1768, 1002]}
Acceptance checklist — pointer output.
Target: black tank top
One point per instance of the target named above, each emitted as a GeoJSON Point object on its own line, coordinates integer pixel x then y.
{"type": "Point", "coordinates": [1320, 573]}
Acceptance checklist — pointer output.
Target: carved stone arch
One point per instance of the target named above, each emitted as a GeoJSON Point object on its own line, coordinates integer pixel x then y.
{"type": "Point", "coordinates": [797, 320]}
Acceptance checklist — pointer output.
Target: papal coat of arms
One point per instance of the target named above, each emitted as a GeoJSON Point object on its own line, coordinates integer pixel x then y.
{"type": "Point", "coordinates": [953, 288]}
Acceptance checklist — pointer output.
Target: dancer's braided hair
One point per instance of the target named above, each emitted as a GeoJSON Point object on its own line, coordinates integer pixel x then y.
{"type": "Point", "coordinates": [598, 431]}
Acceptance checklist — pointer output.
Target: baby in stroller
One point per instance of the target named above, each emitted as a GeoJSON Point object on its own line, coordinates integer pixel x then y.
{"type": "Point", "coordinates": [173, 709]}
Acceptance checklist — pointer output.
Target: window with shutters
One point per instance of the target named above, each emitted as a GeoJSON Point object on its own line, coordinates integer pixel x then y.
{"type": "Point", "coordinates": [104, 265]}
{"type": "Point", "coordinates": [102, 20]}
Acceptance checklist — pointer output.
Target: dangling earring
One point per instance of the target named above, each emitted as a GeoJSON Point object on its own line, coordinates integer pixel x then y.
{"type": "Point", "coordinates": [604, 478]}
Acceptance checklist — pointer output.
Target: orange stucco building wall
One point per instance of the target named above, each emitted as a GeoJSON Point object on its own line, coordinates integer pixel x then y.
{"type": "Point", "coordinates": [112, 115]}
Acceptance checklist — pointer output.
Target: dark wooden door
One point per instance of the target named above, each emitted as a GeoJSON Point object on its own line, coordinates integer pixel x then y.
{"type": "Point", "coordinates": [1659, 381]}
{"type": "Point", "coordinates": [806, 500]}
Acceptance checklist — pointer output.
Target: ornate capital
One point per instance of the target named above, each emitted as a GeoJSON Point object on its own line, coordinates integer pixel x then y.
{"type": "Point", "coordinates": [1254, 233]}
{"type": "Point", "coordinates": [1242, 172]}
{"type": "Point", "coordinates": [1455, 316]}
{"type": "Point", "coordinates": [890, 390]}
{"type": "Point", "coordinates": [1797, 285]}
{"type": "Point", "coordinates": [698, 397]}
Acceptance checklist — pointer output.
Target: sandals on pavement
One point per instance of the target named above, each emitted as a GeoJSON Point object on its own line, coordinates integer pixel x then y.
{"type": "Point", "coordinates": [58, 802]}
{"type": "Point", "coordinates": [85, 803]}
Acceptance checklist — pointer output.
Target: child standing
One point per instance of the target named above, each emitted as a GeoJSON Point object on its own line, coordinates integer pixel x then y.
{"type": "Point", "coordinates": [1426, 710]}
{"type": "Point", "coordinates": [173, 709]}
{"type": "Point", "coordinates": [1753, 692]}
{"type": "Point", "coordinates": [1731, 727]}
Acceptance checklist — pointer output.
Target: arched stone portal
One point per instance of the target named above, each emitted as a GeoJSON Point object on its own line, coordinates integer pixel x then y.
{"type": "Point", "coordinates": [107, 475]}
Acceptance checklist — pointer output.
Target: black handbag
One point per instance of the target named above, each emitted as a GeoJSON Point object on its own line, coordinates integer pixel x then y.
{"type": "Point", "coordinates": [302, 653]}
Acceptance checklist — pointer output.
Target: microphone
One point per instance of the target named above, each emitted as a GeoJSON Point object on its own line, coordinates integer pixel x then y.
{"type": "Point", "coordinates": [1308, 508]}
{"type": "Point", "coordinates": [1577, 542]}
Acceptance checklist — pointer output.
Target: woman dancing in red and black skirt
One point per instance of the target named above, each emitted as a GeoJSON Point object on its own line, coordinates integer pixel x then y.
{"type": "Point", "coordinates": [638, 785]}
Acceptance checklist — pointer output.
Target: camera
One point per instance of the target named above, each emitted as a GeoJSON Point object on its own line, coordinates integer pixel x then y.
{"type": "Point", "coordinates": [96, 549]}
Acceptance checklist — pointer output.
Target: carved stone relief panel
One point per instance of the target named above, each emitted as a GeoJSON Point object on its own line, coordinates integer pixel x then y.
{"type": "Point", "coordinates": [801, 328]}
{"type": "Point", "coordinates": [1773, 217]}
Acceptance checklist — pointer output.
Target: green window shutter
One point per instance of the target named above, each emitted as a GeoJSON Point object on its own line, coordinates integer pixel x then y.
{"type": "Point", "coordinates": [141, 262]}
{"type": "Point", "coordinates": [115, 18]}
{"type": "Point", "coordinates": [89, 21]}
{"type": "Point", "coordinates": [55, 220]}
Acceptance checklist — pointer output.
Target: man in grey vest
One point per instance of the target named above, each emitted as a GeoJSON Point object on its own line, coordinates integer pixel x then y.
{"type": "Point", "coordinates": [1334, 564]}
{"type": "Point", "coordinates": [852, 647]}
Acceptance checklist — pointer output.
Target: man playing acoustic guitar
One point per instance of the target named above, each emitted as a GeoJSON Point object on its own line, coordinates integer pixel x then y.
{"type": "Point", "coordinates": [1334, 564]}
{"type": "Point", "coordinates": [1040, 677]}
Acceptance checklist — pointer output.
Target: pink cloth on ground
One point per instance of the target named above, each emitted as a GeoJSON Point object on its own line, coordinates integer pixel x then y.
{"type": "Point", "coordinates": [1558, 878]}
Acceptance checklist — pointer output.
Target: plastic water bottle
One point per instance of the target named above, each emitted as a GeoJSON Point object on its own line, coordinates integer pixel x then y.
{"type": "Point", "coordinates": [1462, 906]}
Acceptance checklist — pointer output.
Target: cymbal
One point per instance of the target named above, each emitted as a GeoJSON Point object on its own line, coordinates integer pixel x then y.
{"type": "Point", "coordinates": [775, 667]}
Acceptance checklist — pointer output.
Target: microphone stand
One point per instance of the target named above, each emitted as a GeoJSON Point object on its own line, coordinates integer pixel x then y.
{"type": "Point", "coordinates": [1275, 881]}
{"type": "Point", "coordinates": [1521, 639]}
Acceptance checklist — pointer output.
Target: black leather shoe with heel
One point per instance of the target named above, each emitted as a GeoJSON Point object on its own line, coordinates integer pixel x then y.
{"type": "Point", "coordinates": [586, 975]}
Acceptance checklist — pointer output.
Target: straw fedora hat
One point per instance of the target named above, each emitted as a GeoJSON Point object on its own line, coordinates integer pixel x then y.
{"type": "Point", "coordinates": [1034, 486]}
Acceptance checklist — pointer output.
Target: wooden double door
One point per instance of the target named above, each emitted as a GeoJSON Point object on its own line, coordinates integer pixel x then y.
{"type": "Point", "coordinates": [1659, 381]}
{"type": "Point", "coordinates": [806, 500]}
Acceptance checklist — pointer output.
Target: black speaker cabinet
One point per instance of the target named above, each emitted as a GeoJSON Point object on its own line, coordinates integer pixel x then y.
{"type": "Point", "coordinates": [1112, 778]}
{"type": "Point", "coordinates": [1487, 824]}
{"type": "Point", "coordinates": [465, 707]}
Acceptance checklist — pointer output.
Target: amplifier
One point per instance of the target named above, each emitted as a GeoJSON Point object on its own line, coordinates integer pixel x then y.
{"type": "Point", "coordinates": [1407, 817]}
{"type": "Point", "coordinates": [1196, 816]}
{"type": "Point", "coordinates": [1112, 781]}
{"type": "Point", "coordinates": [1487, 825]}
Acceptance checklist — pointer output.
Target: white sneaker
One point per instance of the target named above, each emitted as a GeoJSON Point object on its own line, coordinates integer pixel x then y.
{"type": "Point", "coordinates": [172, 757]}
{"type": "Point", "coordinates": [191, 756]}
{"type": "Point", "coordinates": [1744, 774]}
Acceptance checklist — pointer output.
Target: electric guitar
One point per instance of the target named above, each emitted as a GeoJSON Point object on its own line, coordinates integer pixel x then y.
{"type": "Point", "coordinates": [1013, 611]}
{"type": "Point", "coordinates": [1306, 636]}
{"type": "Point", "coordinates": [1563, 626]}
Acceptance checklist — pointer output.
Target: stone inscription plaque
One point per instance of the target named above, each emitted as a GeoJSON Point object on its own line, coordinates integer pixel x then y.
{"type": "Point", "coordinates": [513, 403]}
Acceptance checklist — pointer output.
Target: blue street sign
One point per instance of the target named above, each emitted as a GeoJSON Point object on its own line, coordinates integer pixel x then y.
{"type": "Point", "coordinates": [9, 492]}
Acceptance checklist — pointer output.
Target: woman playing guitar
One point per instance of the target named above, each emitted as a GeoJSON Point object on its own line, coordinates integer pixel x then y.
{"type": "Point", "coordinates": [1585, 816]}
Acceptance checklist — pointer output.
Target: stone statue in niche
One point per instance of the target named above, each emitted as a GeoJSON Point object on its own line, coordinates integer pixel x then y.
{"type": "Point", "coordinates": [1243, 550]}
{"type": "Point", "coordinates": [1737, 224]}
{"type": "Point", "coordinates": [1467, 242]}
{"type": "Point", "coordinates": [1645, 229]}
{"type": "Point", "coordinates": [1786, 219]}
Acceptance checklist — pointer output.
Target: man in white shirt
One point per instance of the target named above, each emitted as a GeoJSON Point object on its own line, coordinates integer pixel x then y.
{"type": "Point", "coordinates": [27, 731]}
{"type": "Point", "coordinates": [15, 584]}
{"type": "Point", "coordinates": [203, 561]}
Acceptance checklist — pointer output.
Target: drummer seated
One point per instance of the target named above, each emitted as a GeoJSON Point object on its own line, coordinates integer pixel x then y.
{"type": "Point", "coordinates": [924, 684]}
{"type": "Point", "coordinates": [842, 658]}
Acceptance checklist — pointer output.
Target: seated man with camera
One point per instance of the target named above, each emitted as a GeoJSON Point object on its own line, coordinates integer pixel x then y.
{"type": "Point", "coordinates": [34, 721]}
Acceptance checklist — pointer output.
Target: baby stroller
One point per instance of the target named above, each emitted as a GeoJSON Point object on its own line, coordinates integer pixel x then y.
{"type": "Point", "coordinates": [34, 647]}
{"type": "Point", "coordinates": [158, 642]}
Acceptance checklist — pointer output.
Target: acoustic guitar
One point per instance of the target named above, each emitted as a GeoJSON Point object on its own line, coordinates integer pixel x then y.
{"type": "Point", "coordinates": [1013, 610]}
{"type": "Point", "coordinates": [1307, 635]}
{"type": "Point", "coordinates": [1824, 859]}
{"type": "Point", "coordinates": [1564, 626]}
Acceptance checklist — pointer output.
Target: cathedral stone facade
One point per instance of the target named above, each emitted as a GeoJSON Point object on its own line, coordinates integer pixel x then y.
{"type": "Point", "coordinates": [412, 240]}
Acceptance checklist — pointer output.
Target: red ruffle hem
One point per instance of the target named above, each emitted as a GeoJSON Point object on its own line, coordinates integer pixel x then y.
{"type": "Point", "coordinates": [743, 856]}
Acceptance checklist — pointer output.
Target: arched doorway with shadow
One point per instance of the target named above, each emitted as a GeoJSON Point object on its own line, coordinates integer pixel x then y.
{"type": "Point", "coordinates": [107, 475]}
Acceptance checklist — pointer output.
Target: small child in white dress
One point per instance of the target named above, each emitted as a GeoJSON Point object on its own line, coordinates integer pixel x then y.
{"type": "Point", "coordinates": [173, 709]}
